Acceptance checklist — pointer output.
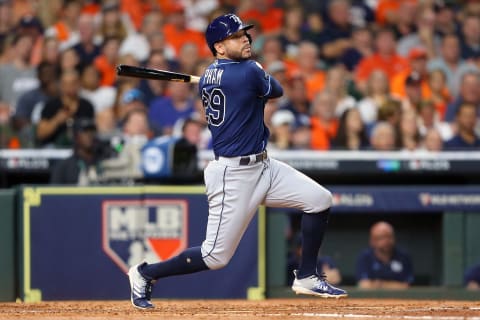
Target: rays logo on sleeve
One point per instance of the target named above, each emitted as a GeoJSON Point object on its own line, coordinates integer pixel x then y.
{"type": "Point", "coordinates": [143, 230]}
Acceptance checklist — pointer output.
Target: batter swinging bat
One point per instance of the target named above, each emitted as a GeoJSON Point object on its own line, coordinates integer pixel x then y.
{"type": "Point", "coordinates": [155, 74]}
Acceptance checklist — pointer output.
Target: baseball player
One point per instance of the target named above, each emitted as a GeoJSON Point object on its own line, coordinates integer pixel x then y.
{"type": "Point", "coordinates": [242, 176]}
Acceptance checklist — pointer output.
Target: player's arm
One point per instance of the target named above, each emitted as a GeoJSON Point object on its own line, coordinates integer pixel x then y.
{"type": "Point", "coordinates": [265, 85]}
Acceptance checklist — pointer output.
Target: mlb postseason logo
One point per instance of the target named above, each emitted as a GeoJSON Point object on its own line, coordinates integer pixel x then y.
{"type": "Point", "coordinates": [143, 230]}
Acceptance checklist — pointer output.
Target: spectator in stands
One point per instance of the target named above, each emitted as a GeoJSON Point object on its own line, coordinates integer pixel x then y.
{"type": "Point", "coordinates": [309, 66]}
{"type": "Point", "coordinates": [83, 166]}
{"type": "Point", "coordinates": [404, 22]}
{"type": "Point", "coordinates": [470, 40]}
{"type": "Point", "coordinates": [50, 50]}
{"type": "Point", "coordinates": [114, 23]}
{"type": "Point", "coordinates": [65, 28]}
{"type": "Point", "coordinates": [384, 58]}
{"type": "Point", "coordinates": [101, 97]}
{"type": "Point", "coordinates": [17, 76]}
{"type": "Point", "coordinates": [335, 38]}
{"type": "Point", "coordinates": [472, 277]}
{"type": "Point", "coordinates": [197, 12]}
{"type": "Point", "coordinates": [377, 93]}
{"type": "Point", "coordinates": [417, 59]}
{"type": "Point", "coordinates": [362, 13]}
{"type": "Point", "coordinates": [135, 132]}
{"type": "Point", "coordinates": [465, 137]}
{"type": "Point", "coordinates": [451, 63]}
{"type": "Point", "coordinates": [384, 265]}
{"type": "Point", "coordinates": [188, 58]}
{"type": "Point", "coordinates": [432, 141]}
{"type": "Point", "coordinates": [194, 131]}
{"type": "Point", "coordinates": [296, 100]}
{"type": "Point", "coordinates": [271, 51]}
{"type": "Point", "coordinates": [325, 264]}
{"type": "Point", "coordinates": [282, 124]}
{"type": "Point", "coordinates": [351, 133]}
{"type": "Point", "coordinates": [438, 92]}
{"type": "Point", "coordinates": [324, 123]}
{"type": "Point", "coordinates": [408, 133]}
{"type": "Point", "coordinates": [361, 47]}
{"type": "Point", "coordinates": [68, 60]}
{"type": "Point", "coordinates": [108, 60]}
{"type": "Point", "coordinates": [130, 98]}
{"type": "Point", "coordinates": [278, 70]}
{"type": "Point", "coordinates": [424, 35]}
{"type": "Point", "coordinates": [55, 126]}
{"type": "Point", "coordinates": [429, 118]}
{"type": "Point", "coordinates": [31, 103]}
{"type": "Point", "coordinates": [469, 93]}
{"type": "Point", "coordinates": [137, 43]}
{"type": "Point", "coordinates": [301, 136]}
{"type": "Point", "coordinates": [413, 92]}
{"type": "Point", "coordinates": [314, 26]}
{"type": "Point", "coordinates": [383, 137]}
{"type": "Point", "coordinates": [31, 26]}
{"type": "Point", "coordinates": [291, 34]}
{"type": "Point", "coordinates": [6, 20]}
{"type": "Point", "coordinates": [445, 18]}
{"type": "Point", "coordinates": [158, 43]}
{"type": "Point", "coordinates": [177, 33]}
{"type": "Point", "coordinates": [390, 111]}
{"type": "Point", "coordinates": [165, 111]}
{"type": "Point", "coordinates": [87, 48]}
{"type": "Point", "coordinates": [337, 84]}
{"type": "Point", "coordinates": [259, 9]}
{"type": "Point", "coordinates": [154, 88]}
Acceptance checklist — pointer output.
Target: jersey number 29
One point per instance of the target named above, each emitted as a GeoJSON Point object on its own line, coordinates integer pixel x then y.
{"type": "Point", "coordinates": [214, 104]}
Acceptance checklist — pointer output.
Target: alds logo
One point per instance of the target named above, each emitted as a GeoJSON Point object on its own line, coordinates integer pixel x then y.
{"type": "Point", "coordinates": [150, 230]}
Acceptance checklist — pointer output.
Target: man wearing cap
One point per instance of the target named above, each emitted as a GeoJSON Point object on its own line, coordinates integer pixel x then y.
{"type": "Point", "coordinates": [417, 59]}
{"type": "Point", "coordinates": [82, 167]}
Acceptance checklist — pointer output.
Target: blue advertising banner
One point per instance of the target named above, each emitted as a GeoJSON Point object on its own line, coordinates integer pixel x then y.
{"type": "Point", "coordinates": [78, 243]}
{"type": "Point", "coordinates": [397, 199]}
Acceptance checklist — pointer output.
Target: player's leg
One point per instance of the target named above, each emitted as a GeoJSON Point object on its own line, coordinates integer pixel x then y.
{"type": "Point", "coordinates": [291, 188]}
{"type": "Point", "coordinates": [233, 196]}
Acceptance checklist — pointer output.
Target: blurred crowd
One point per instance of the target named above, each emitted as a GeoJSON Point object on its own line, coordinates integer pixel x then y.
{"type": "Point", "coordinates": [357, 74]}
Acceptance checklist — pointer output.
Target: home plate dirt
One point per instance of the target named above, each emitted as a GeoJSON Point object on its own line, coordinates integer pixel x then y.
{"type": "Point", "coordinates": [242, 309]}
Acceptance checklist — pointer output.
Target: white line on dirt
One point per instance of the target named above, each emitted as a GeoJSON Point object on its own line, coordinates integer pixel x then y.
{"type": "Point", "coordinates": [340, 315]}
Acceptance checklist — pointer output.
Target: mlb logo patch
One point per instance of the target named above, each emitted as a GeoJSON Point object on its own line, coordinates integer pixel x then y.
{"type": "Point", "coordinates": [144, 230]}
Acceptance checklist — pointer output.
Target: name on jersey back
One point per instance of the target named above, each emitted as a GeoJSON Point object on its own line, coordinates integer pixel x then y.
{"type": "Point", "coordinates": [213, 76]}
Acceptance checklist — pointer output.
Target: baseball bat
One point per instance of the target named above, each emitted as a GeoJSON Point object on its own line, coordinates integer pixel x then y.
{"type": "Point", "coordinates": [155, 74]}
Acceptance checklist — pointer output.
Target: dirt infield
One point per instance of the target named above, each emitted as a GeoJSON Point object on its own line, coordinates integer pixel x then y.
{"type": "Point", "coordinates": [243, 309]}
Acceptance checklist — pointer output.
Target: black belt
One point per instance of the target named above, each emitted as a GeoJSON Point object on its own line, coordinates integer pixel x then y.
{"type": "Point", "coordinates": [244, 161]}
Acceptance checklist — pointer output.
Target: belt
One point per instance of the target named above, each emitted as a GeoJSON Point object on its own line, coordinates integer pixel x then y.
{"type": "Point", "coordinates": [251, 159]}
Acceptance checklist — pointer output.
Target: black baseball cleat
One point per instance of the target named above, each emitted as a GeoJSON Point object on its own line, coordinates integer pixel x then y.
{"type": "Point", "coordinates": [141, 288]}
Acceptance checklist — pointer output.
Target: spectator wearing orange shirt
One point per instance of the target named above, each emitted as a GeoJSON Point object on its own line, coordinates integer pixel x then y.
{"type": "Point", "coordinates": [65, 29]}
{"type": "Point", "coordinates": [177, 34]}
{"type": "Point", "coordinates": [323, 122]}
{"type": "Point", "coordinates": [259, 10]}
{"type": "Point", "coordinates": [107, 61]}
{"type": "Point", "coordinates": [384, 58]}
{"type": "Point", "coordinates": [417, 59]}
{"type": "Point", "coordinates": [386, 10]}
{"type": "Point", "coordinates": [308, 65]}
